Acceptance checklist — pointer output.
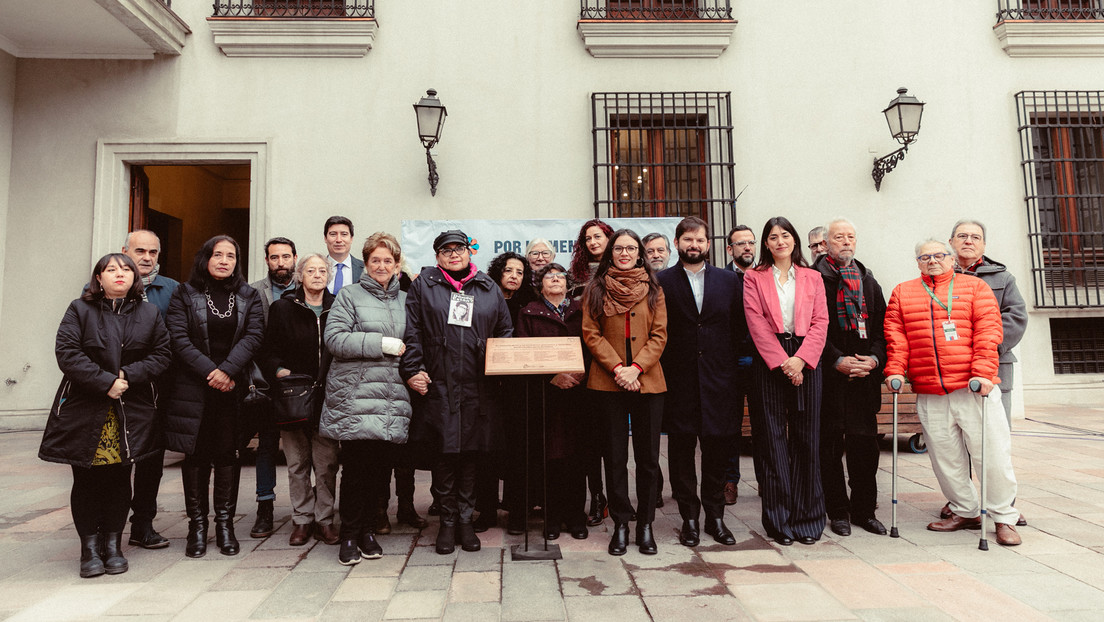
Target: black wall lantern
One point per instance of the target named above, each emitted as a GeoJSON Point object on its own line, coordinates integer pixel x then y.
{"type": "Point", "coordinates": [903, 116]}
{"type": "Point", "coordinates": [431, 116]}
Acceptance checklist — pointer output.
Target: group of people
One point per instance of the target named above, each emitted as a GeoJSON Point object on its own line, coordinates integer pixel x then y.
{"type": "Point", "coordinates": [397, 364]}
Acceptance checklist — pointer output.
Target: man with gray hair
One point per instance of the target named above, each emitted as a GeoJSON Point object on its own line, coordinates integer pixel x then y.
{"type": "Point", "coordinates": [942, 331]}
{"type": "Point", "coordinates": [144, 247]}
{"type": "Point", "coordinates": [817, 245]}
{"type": "Point", "coordinates": [657, 250]}
{"type": "Point", "coordinates": [853, 356]}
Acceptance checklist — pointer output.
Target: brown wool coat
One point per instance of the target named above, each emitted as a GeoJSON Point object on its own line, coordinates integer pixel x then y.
{"type": "Point", "coordinates": [605, 338]}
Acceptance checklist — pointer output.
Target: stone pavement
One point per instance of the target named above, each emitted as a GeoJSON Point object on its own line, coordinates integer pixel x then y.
{"type": "Point", "coordinates": [1058, 572]}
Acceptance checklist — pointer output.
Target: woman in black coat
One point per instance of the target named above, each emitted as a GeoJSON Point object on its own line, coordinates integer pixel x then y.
{"type": "Point", "coordinates": [567, 438]}
{"type": "Point", "coordinates": [110, 344]}
{"type": "Point", "coordinates": [217, 325]}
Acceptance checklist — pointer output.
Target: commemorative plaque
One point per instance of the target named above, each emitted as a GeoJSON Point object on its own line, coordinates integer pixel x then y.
{"type": "Point", "coordinates": [518, 356]}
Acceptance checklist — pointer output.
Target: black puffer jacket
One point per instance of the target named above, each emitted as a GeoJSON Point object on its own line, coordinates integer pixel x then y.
{"type": "Point", "coordinates": [97, 339]}
{"type": "Point", "coordinates": [293, 337]}
{"type": "Point", "coordinates": [460, 409]}
{"type": "Point", "coordinates": [187, 324]}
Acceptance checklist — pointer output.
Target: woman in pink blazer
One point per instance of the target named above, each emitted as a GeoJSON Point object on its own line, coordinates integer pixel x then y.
{"type": "Point", "coordinates": [788, 320]}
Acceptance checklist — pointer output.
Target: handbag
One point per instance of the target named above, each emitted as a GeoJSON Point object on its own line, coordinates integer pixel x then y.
{"type": "Point", "coordinates": [294, 400]}
{"type": "Point", "coordinates": [258, 388]}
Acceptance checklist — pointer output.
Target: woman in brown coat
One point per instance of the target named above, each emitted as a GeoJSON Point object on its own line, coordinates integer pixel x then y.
{"type": "Point", "coordinates": [625, 328]}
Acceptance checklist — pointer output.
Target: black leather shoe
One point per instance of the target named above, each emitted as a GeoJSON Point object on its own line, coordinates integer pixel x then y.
{"type": "Point", "coordinates": [716, 528]}
{"type": "Point", "coordinates": [552, 533]}
{"type": "Point", "coordinates": [465, 533]}
{"type": "Point", "coordinates": [599, 509]}
{"type": "Point", "coordinates": [515, 524]}
{"type": "Point", "coordinates": [485, 521]}
{"type": "Point", "coordinates": [807, 540]}
{"type": "Point", "coordinates": [579, 532]}
{"type": "Point", "coordinates": [872, 525]}
{"type": "Point", "coordinates": [143, 534]}
{"type": "Point", "coordinates": [841, 526]}
{"type": "Point", "coordinates": [446, 539]}
{"type": "Point", "coordinates": [619, 541]}
{"type": "Point", "coordinates": [90, 563]}
{"type": "Point", "coordinates": [689, 535]}
{"type": "Point", "coordinates": [644, 540]}
{"type": "Point", "coordinates": [407, 514]}
{"type": "Point", "coordinates": [1021, 521]}
{"type": "Point", "coordinates": [783, 540]}
{"type": "Point", "coordinates": [263, 526]}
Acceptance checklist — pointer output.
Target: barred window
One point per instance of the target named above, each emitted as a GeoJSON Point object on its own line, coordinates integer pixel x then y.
{"type": "Point", "coordinates": [1062, 145]}
{"type": "Point", "coordinates": [1050, 9]}
{"type": "Point", "coordinates": [656, 9]}
{"type": "Point", "coordinates": [1078, 345]}
{"type": "Point", "coordinates": [665, 154]}
{"type": "Point", "coordinates": [294, 8]}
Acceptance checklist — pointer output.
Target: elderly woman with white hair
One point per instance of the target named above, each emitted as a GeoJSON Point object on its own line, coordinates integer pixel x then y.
{"type": "Point", "coordinates": [539, 254]}
{"type": "Point", "coordinates": [293, 344]}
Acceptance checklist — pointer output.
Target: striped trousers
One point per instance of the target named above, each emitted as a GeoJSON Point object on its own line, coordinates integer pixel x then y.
{"type": "Point", "coordinates": [786, 424]}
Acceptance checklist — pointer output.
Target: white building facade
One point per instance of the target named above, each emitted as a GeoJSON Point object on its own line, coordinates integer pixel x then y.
{"type": "Point", "coordinates": [263, 118]}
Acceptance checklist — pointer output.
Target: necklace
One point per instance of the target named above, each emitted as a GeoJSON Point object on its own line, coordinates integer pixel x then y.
{"type": "Point", "coordinates": [211, 305]}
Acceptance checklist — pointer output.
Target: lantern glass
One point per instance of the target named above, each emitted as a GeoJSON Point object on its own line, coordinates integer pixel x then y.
{"type": "Point", "coordinates": [431, 117]}
{"type": "Point", "coordinates": [903, 116]}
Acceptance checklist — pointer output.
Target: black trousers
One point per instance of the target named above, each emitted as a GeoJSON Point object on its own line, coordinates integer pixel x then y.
{"type": "Point", "coordinates": [365, 482]}
{"type": "Point", "coordinates": [862, 454]}
{"type": "Point", "coordinates": [716, 452]}
{"type": "Point", "coordinates": [147, 481]}
{"type": "Point", "coordinates": [100, 498]}
{"type": "Point", "coordinates": [647, 418]}
{"type": "Point", "coordinates": [787, 439]}
{"type": "Point", "coordinates": [454, 482]}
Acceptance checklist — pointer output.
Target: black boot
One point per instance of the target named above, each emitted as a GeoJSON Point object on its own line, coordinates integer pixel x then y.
{"type": "Point", "coordinates": [113, 560]}
{"type": "Point", "coordinates": [619, 541]}
{"type": "Point", "coordinates": [598, 509]}
{"type": "Point", "coordinates": [407, 514]}
{"type": "Point", "coordinates": [90, 564]}
{"type": "Point", "coordinates": [144, 535]}
{"type": "Point", "coordinates": [446, 538]}
{"type": "Point", "coordinates": [196, 481]}
{"type": "Point", "coordinates": [644, 540]}
{"type": "Point", "coordinates": [263, 526]}
{"type": "Point", "coordinates": [468, 540]}
{"type": "Point", "coordinates": [226, 504]}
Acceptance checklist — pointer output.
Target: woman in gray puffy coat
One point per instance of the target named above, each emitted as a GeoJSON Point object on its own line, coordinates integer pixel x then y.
{"type": "Point", "coordinates": [367, 406]}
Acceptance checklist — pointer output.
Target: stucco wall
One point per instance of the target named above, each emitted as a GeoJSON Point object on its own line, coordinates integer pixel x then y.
{"type": "Point", "coordinates": [807, 90]}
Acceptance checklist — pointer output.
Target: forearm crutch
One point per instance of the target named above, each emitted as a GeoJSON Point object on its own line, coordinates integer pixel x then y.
{"type": "Point", "coordinates": [894, 384]}
{"type": "Point", "coordinates": [983, 544]}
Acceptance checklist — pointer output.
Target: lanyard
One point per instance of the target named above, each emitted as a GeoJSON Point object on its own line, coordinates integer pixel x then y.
{"type": "Point", "coordinates": [950, 298]}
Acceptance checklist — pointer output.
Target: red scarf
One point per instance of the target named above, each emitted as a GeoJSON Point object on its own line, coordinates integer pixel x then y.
{"type": "Point", "coordinates": [850, 306]}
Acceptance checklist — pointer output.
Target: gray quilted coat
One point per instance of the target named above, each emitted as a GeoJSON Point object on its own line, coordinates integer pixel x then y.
{"type": "Point", "coordinates": [365, 397]}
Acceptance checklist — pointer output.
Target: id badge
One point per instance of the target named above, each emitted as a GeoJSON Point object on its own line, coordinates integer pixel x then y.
{"type": "Point", "coordinates": [949, 331]}
{"type": "Point", "coordinates": [862, 328]}
{"type": "Point", "coordinates": [460, 309]}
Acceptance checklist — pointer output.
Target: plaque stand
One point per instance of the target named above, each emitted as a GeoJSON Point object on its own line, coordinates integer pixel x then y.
{"type": "Point", "coordinates": [522, 552]}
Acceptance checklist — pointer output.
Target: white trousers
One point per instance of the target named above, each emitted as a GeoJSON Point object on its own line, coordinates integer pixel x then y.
{"type": "Point", "coordinates": [952, 429]}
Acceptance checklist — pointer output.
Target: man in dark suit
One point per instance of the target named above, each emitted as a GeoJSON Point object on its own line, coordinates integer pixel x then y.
{"type": "Point", "coordinates": [346, 269]}
{"type": "Point", "coordinates": [853, 358]}
{"type": "Point", "coordinates": [705, 326]}
{"type": "Point", "coordinates": [741, 250]}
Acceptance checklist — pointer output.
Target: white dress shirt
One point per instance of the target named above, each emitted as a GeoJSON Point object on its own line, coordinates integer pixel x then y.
{"type": "Point", "coordinates": [697, 284]}
{"type": "Point", "coordinates": [786, 293]}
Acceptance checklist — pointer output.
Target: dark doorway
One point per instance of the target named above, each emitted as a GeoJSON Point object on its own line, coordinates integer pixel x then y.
{"type": "Point", "coordinates": [187, 205]}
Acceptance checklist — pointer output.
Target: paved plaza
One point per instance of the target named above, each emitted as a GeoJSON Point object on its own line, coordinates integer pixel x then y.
{"type": "Point", "coordinates": [1057, 573]}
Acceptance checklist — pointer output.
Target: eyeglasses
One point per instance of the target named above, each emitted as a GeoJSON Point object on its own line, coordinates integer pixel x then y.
{"type": "Point", "coordinates": [816, 245]}
{"type": "Point", "coordinates": [556, 275]}
{"type": "Point", "coordinates": [620, 250]}
{"type": "Point", "coordinates": [935, 256]}
{"type": "Point", "coordinates": [743, 243]}
{"type": "Point", "coordinates": [540, 254]}
{"type": "Point", "coordinates": [969, 236]}
{"type": "Point", "coordinates": [453, 250]}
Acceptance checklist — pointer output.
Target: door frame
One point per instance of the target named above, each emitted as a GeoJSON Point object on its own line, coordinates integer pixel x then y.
{"type": "Point", "coordinates": [111, 202]}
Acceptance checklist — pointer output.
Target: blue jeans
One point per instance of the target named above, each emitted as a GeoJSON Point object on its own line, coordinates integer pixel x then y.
{"type": "Point", "coordinates": [268, 444]}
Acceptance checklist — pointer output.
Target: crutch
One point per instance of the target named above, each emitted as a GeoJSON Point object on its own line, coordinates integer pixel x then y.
{"type": "Point", "coordinates": [983, 544]}
{"type": "Point", "coordinates": [894, 384]}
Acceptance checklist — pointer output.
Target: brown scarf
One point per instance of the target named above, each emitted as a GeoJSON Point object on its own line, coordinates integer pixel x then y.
{"type": "Point", "coordinates": [624, 288]}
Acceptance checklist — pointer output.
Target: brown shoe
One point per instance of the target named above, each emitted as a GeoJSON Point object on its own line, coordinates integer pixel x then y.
{"type": "Point", "coordinates": [945, 511]}
{"type": "Point", "coordinates": [1007, 535]}
{"type": "Point", "coordinates": [955, 523]}
{"type": "Point", "coordinates": [730, 493]}
{"type": "Point", "coordinates": [300, 535]}
{"type": "Point", "coordinates": [328, 534]}
{"type": "Point", "coordinates": [381, 526]}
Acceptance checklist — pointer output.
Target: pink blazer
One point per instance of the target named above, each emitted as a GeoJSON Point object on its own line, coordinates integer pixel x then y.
{"type": "Point", "coordinates": [764, 315]}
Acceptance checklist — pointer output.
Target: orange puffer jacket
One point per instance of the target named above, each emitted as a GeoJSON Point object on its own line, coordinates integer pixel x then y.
{"type": "Point", "coordinates": [917, 347]}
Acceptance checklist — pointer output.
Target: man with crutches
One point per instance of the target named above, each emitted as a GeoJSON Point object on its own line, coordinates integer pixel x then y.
{"type": "Point", "coordinates": [942, 331]}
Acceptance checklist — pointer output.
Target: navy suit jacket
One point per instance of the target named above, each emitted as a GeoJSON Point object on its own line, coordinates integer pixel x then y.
{"type": "Point", "coordinates": [699, 361]}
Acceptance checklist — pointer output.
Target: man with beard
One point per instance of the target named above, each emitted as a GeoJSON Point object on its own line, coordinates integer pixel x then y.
{"type": "Point", "coordinates": [144, 247]}
{"type": "Point", "coordinates": [741, 248]}
{"type": "Point", "coordinates": [818, 246]}
{"type": "Point", "coordinates": [705, 325]}
{"type": "Point", "coordinates": [280, 257]}
{"type": "Point", "coordinates": [853, 357]}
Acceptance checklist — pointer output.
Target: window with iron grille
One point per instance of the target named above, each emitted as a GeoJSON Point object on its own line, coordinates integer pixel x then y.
{"type": "Point", "coordinates": [294, 8]}
{"type": "Point", "coordinates": [656, 9]}
{"type": "Point", "coordinates": [1050, 9]}
{"type": "Point", "coordinates": [1078, 345]}
{"type": "Point", "coordinates": [665, 154]}
{"type": "Point", "coordinates": [1062, 145]}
